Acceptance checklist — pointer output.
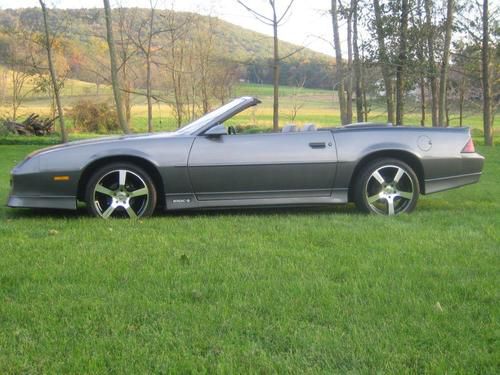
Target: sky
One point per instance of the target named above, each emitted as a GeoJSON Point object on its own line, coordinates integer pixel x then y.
{"type": "Point", "coordinates": [308, 22]}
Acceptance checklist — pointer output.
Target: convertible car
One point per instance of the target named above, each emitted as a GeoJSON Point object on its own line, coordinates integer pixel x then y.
{"type": "Point", "coordinates": [206, 164]}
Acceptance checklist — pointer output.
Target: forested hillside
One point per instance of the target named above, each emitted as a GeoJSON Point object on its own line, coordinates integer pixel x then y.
{"type": "Point", "coordinates": [81, 46]}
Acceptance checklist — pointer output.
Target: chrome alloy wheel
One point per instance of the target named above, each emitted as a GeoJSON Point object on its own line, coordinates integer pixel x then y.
{"type": "Point", "coordinates": [120, 193]}
{"type": "Point", "coordinates": [389, 190]}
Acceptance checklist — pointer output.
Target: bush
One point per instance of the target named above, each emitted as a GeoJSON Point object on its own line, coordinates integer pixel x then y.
{"type": "Point", "coordinates": [94, 117]}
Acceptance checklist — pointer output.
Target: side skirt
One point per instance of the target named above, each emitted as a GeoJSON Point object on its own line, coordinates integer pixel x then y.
{"type": "Point", "coordinates": [189, 201]}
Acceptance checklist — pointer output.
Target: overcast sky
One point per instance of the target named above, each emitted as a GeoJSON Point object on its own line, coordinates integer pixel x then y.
{"type": "Point", "coordinates": [307, 24]}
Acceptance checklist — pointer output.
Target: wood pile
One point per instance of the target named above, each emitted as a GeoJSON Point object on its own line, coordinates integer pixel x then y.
{"type": "Point", "coordinates": [32, 125]}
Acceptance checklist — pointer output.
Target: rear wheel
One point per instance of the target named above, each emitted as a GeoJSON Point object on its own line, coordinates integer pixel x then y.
{"type": "Point", "coordinates": [387, 187]}
{"type": "Point", "coordinates": [121, 190]}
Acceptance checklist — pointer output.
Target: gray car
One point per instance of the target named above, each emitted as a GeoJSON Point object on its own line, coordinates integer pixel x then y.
{"type": "Point", "coordinates": [382, 168]}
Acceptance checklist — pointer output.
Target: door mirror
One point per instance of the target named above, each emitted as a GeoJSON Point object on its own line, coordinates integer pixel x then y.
{"type": "Point", "coordinates": [216, 131]}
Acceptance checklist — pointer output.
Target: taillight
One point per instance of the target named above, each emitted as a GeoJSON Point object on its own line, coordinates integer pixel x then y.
{"type": "Point", "coordinates": [469, 147]}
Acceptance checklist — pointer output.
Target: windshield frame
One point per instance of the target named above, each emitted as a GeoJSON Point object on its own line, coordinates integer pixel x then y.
{"type": "Point", "coordinates": [218, 116]}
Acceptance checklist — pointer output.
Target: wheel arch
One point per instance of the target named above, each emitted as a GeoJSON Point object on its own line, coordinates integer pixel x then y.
{"type": "Point", "coordinates": [143, 163]}
{"type": "Point", "coordinates": [405, 156]}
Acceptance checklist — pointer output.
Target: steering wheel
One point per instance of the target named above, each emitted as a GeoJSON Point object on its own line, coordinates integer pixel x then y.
{"type": "Point", "coordinates": [231, 130]}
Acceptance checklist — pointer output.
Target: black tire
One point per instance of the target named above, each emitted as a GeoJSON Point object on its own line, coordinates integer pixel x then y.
{"type": "Point", "coordinates": [120, 190]}
{"type": "Point", "coordinates": [386, 187]}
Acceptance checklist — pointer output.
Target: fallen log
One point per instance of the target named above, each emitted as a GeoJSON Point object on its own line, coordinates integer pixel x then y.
{"type": "Point", "coordinates": [32, 125]}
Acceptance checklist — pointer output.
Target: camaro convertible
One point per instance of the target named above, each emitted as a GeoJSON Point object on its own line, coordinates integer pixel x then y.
{"type": "Point", "coordinates": [206, 164]}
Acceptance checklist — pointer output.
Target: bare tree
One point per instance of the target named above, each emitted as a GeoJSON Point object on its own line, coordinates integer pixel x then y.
{"type": "Point", "coordinates": [275, 21]}
{"type": "Point", "coordinates": [421, 59]}
{"type": "Point", "coordinates": [384, 61]}
{"type": "Point", "coordinates": [400, 71]}
{"type": "Point", "coordinates": [144, 41]}
{"type": "Point", "coordinates": [296, 103]}
{"type": "Point", "coordinates": [126, 52]}
{"type": "Point", "coordinates": [18, 62]}
{"type": "Point", "coordinates": [357, 62]}
{"type": "Point", "coordinates": [432, 64]}
{"type": "Point", "coordinates": [204, 41]}
{"type": "Point", "coordinates": [175, 54]}
{"type": "Point", "coordinates": [443, 80]}
{"type": "Point", "coordinates": [53, 73]}
{"type": "Point", "coordinates": [115, 80]}
{"type": "Point", "coordinates": [485, 62]}
{"type": "Point", "coordinates": [339, 63]}
{"type": "Point", "coordinates": [3, 85]}
{"type": "Point", "coordinates": [348, 86]}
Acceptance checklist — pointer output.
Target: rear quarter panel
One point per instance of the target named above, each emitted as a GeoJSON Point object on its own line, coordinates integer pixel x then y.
{"type": "Point", "coordinates": [437, 149]}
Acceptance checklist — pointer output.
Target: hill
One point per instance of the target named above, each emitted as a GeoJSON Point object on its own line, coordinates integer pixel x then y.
{"type": "Point", "coordinates": [82, 33]}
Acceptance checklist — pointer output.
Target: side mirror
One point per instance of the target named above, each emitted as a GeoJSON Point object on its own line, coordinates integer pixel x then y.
{"type": "Point", "coordinates": [216, 131]}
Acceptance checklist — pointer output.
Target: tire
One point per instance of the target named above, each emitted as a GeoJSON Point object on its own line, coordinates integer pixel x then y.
{"type": "Point", "coordinates": [386, 187]}
{"type": "Point", "coordinates": [120, 190]}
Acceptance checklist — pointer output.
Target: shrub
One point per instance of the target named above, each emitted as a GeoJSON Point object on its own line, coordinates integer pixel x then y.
{"type": "Point", "coordinates": [94, 117]}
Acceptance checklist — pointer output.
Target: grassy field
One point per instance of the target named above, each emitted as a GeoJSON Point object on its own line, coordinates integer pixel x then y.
{"type": "Point", "coordinates": [316, 106]}
{"type": "Point", "coordinates": [260, 291]}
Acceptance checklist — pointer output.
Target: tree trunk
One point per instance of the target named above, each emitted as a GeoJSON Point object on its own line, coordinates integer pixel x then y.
{"type": "Point", "coordinates": [349, 67]}
{"type": "Point", "coordinates": [357, 62]}
{"type": "Point", "coordinates": [115, 82]}
{"type": "Point", "coordinates": [443, 80]}
{"type": "Point", "coordinates": [421, 61]}
{"type": "Point", "coordinates": [432, 63]}
{"type": "Point", "coordinates": [53, 74]}
{"type": "Point", "coordinates": [384, 61]}
{"type": "Point", "coordinates": [422, 100]}
{"type": "Point", "coordinates": [339, 64]}
{"type": "Point", "coordinates": [276, 74]}
{"type": "Point", "coordinates": [487, 121]}
{"type": "Point", "coordinates": [400, 78]}
{"type": "Point", "coordinates": [14, 96]}
{"type": "Point", "coordinates": [148, 72]}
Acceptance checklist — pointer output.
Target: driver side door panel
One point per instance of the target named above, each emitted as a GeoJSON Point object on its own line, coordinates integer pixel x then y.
{"type": "Point", "coordinates": [271, 165]}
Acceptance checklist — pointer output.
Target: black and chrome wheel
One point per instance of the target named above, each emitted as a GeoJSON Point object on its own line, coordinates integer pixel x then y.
{"type": "Point", "coordinates": [121, 190]}
{"type": "Point", "coordinates": [387, 187]}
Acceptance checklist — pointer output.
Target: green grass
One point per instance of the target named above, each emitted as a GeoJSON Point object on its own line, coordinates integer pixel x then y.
{"type": "Point", "coordinates": [259, 291]}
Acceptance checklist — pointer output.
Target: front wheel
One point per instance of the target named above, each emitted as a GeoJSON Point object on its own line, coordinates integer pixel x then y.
{"type": "Point", "coordinates": [387, 187]}
{"type": "Point", "coordinates": [120, 190]}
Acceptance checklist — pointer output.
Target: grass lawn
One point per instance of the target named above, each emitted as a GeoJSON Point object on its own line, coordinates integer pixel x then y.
{"type": "Point", "coordinates": [291, 290]}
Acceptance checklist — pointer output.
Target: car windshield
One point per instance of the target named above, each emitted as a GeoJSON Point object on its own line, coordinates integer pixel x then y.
{"type": "Point", "coordinates": [202, 121]}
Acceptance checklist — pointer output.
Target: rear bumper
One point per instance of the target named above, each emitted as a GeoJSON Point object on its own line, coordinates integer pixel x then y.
{"type": "Point", "coordinates": [452, 182]}
{"type": "Point", "coordinates": [469, 168]}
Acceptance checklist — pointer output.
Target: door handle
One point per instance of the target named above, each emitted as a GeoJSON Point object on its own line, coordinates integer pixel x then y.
{"type": "Point", "coordinates": [317, 144]}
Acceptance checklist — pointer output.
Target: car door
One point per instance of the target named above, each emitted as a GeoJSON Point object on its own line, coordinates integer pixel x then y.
{"type": "Point", "coordinates": [269, 165]}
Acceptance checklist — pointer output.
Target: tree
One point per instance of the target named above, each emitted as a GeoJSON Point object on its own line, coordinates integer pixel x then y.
{"type": "Point", "coordinates": [384, 61]}
{"type": "Point", "coordinates": [339, 64]}
{"type": "Point", "coordinates": [485, 62]}
{"type": "Point", "coordinates": [479, 58]}
{"type": "Point", "coordinates": [443, 79]}
{"type": "Point", "coordinates": [400, 71]}
{"type": "Point", "coordinates": [348, 86]}
{"type": "Point", "coordinates": [175, 56]}
{"type": "Point", "coordinates": [144, 39]}
{"type": "Point", "coordinates": [115, 81]}
{"type": "Point", "coordinates": [275, 21]}
{"type": "Point", "coordinates": [53, 73]}
{"type": "Point", "coordinates": [357, 63]}
{"type": "Point", "coordinates": [126, 52]}
{"type": "Point", "coordinates": [14, 54]}
{"type": "Point", "coordinates": [432, 64]}
{"type": "Point", "coordinates": [420, 39]}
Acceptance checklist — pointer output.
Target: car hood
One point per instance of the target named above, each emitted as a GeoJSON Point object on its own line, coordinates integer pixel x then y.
{"type": "Point", "coordinates": [101, 140]}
